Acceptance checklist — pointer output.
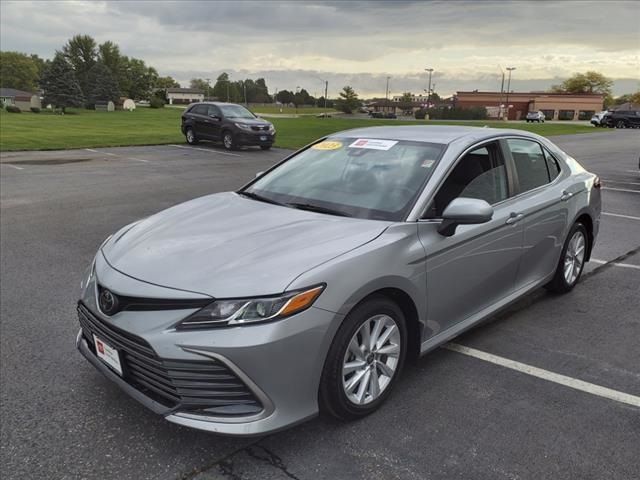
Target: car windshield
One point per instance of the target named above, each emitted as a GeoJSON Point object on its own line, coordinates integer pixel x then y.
{"type": "Point", "coordinates": [356, 177]}
{"type": "Point", "coordinates": [236, 111]}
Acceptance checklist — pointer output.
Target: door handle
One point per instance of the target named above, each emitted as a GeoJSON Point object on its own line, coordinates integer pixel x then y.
{"type": "Point", "coordinates": [514, 218]}
{"type": "Point", "coordinates": [566, 196]}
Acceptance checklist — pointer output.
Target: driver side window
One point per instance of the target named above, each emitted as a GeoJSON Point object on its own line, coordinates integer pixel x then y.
{"type": "Point", "coordinates": [214, 111]}
{"type": "Point", "coordinates": [480, 174]}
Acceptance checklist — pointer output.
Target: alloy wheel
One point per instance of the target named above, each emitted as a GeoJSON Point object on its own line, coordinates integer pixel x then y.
{"type": "Point", "coordinates": [371, 359]}
{"type": "Point", "coordinates": [190, 136]}
{"type": "Point", "coordinates": [228, 141]}
{"type": "Point", "coordinates": [574, 257]}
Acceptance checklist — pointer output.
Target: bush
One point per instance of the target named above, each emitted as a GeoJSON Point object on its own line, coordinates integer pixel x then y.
{"type": "Point", "coordinates": [474, 113]}
{"type": "Point", "coordinates": [420, 114]}
{"type": "Point", "coordinates": [35, 109]}
{"type": "Point", "coordinates": [13, 109]}
{"type": "Point", "coordinates": [156, 102]}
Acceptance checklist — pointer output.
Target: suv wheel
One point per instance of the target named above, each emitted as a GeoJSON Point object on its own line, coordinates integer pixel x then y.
{"type": "Point", "coordinates": [190, 135]}
{"type": "Point", "coordinates": [228, 141]}
{"type": "Point", "coordinates": [621, 124]}
{"type": "Point", "coordinates": [365, 359]}
{"type": "Point", "coordinates": [571, 261]}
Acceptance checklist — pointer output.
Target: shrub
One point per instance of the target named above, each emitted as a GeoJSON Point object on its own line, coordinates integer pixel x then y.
{"type": "Point", "coordinates": [13, 109]}
{"type": "Point", "coordinates": [420, 114]}
{"type": "Point", "coordinates": [35, 109]}
{"type": "Point", "coordinates": [156, 102]}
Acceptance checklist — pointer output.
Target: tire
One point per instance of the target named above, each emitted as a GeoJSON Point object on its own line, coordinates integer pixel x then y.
{"type": "Point", "coordinates": [190, 135]}
{"type": "Point", "coordinates": [265, 147]}
{"type": "Point", "coordinates": [621, 124]}
{"type": "Point", "coordinates": [561, 282]}
{"type": "Point", "coordinates": [334, 385]}
{"type": "Point", "coordinates": [228, 141]}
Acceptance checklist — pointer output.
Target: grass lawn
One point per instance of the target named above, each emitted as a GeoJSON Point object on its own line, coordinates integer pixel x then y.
{"type": "Point", "coordinates": [146, 126]}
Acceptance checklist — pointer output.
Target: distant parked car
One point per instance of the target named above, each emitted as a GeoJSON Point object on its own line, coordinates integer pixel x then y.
{"type": "Point", "coordinates": [390, 115]}
{"type": "Point", "coordinates": [622, 119]}
{"type": "Point", "coordinates": [376, 114]}
{"type": "Point", "coordinates": [596, 120]}
{"type": "Point", "coordinates": [535, 117]}
{"type": "Point", "coordinates": [232, 124]}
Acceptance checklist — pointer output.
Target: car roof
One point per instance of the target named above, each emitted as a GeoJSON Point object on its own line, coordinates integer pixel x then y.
{"type": "Point", "coordinates": [443, 134]}
{"type": "Point", "coordinates": [216, 103]}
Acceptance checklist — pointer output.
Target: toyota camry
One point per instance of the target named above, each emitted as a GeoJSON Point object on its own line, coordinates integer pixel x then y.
{"type": "Point", "coordinates": [306, 290]}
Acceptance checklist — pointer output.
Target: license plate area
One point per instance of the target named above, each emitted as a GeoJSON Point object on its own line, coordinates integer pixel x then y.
{"type": "Point", "coordinates": [108, 354]}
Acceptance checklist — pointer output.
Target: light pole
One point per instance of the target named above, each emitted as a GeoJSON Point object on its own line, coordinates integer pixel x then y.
{"type": "Point", "coordinates": [244, 87]}
{"type": "Point", "coordinates": [501, 92]}
{"type": "Point", "coordinates": [208, 87]}
{"type": "Point", "coordinates": [430, 70]}
{"type": "Point", "coordinates": [295, 99]}
{"type": "Point", "coordinates": [509, 88]}
{"type": "Point", "coordinates": [386, 95]}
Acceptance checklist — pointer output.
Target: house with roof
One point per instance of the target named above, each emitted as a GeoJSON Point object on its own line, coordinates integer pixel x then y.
{"type": "Point", "coordinates": [184, 95]}
{"type": "Point", "coordinates": [19, 98]}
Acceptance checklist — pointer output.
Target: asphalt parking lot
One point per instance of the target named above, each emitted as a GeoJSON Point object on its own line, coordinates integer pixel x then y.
{"type": "Point", "coordinates": [452, 415]}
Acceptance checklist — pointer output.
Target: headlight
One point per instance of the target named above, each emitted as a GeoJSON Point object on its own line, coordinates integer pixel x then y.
{"type": "Point", "coordinates": [222, 313]}
{"type": "Point", "coordinates": [272, 129]}
{"type": "Point", "coordinates": [243, 126]}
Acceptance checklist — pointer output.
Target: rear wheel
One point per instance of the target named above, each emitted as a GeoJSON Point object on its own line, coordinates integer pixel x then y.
{"type": "Point", "coordinates": [365, 359]}
{"type": "Point", "coordinates": [228, 141]}
{"type": "Point", "coordinates": [621, 124]}
{"type": "Point", "coordinates": [190, 135]}
{"type": "Point", "coordinates": [571, 261]}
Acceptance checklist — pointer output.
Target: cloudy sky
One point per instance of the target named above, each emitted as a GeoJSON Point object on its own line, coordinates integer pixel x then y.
{"type": "Point", "coordinates": [349, 42]}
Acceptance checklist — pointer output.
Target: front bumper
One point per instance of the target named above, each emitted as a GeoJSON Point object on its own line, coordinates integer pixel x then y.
{"type": "Point", "coordinates": [252, 139]}
{"type": "Point", "coordinates": [280, 363]}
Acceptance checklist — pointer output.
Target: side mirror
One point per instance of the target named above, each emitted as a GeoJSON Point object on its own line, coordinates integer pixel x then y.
{"type": "Point", "coordinates": [259, 174]}
{"type": "Point", "coordinates": [464, 211]}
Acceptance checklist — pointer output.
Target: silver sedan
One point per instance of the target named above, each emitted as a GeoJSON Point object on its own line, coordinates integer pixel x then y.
{"type": "Point", "coordinates": [307, 289]}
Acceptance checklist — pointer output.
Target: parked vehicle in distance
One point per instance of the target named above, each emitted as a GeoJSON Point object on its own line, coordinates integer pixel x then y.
{"type": "Point", "coordinates": [535, 117]}
{"type": "Point", "coordinates": [375, 114]}
{"type": "Point", "coordinates": [305, 290]}
{"type": "Point", "coordinates": [596, 120]}
{"type": "Point", "coordinates": [232, 124]}
{"type": "Point", "coordinates": [390, 115]}
{"type": "Point", "coordinates": [622, 119]}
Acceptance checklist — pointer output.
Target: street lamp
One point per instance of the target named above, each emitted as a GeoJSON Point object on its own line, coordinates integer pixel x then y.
{"type": "Point", "coordinates": [430, 70]}
{"type": "Point", "coordinates": [244, 87]}
{"type": "Point", "coordinates": [386, 96]}
{"type": "Point", "coordinates": [295, 99]}
{"type": "Point", "coordinates": [326, 87]}
{"type": "Point", "coordinates": [208, 86]}
{"type": "Point", "coordinates": [509, 88]}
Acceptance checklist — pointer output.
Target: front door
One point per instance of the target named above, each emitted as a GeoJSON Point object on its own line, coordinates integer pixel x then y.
{"type": "Point", "coordinates": [214, 120]}
{"type": "Point", "coordinates": [477, 266]}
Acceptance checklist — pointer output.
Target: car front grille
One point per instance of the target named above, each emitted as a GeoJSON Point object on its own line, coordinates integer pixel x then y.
{"type": "Point", "coordinates": [260, 128]}
{"type": "Point", "coordinates": [200, 386]}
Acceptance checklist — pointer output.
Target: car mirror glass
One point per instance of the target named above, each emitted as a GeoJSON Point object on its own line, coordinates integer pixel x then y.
{"type": "Point", "coordinates": [464, 211]}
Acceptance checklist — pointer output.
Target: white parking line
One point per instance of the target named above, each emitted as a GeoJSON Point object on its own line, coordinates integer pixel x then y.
{"type": "Point", "coordinates": [617, 264]}
{"type": "Point", "coordinates": [206, 150]}
{"type": "Point", "coordinates": [90, 150]}
{"type": "Point", "coordinates": [621, 189]}
{"type": "Point", "coordinates": [547, 375]}
{"type": "Point", "coordinates": [138, 159]}
{"type": "Point", "coordinates": [632, 171]}
{"type": "Point", "coordinates": [616, 181]}
{"type": "Point", "coordinates": [620, 215]}
{"type": "Point", "coordinates": [13, 166]}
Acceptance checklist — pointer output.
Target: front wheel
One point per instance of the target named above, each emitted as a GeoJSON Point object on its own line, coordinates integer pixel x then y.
{"type": "Point", "coordinates": [228, 141]}
{"type": "Point", "coordinates": [365, 359]}
{"type": "Point", "coordinates": [571, 261]}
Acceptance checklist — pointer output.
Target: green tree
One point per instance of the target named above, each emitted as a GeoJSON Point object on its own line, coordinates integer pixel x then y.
{"type": "Point", "coordinates": [136, 79]}
{"type": "Point", "coordinates": [285, 96]}
{"type": "Point", "coordinates": [222, 87]}
{"type": "Point", "coordinates": [200, 84]}
{"type": "Point", "coordinates": [102, 85]}
{"type": "Point", "coordinates": [166, 82]}
{"type": "Point", "coordinates": [18, 71]}
{"type": "Point", "coordinates": [109, 55]}
{"type": "Point", "coordinates": [588, 82]}
{"type": "Point", "coordinates": [348, 100]}
{"type": "Point", "coordinates": [61, 88]}
{"type": "Point", "coordinates": [81, 52]}
{"type": "Point", "coordinates": [406, 98]}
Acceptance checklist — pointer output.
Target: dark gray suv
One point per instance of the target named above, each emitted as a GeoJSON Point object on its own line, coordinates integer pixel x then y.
{"type": "Point", "coordinates": [232, 124]}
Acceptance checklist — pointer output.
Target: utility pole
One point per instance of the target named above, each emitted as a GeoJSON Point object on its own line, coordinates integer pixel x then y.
{"type": "Point", "coordinates": [244, 87]}
{"type": "Point", "coordinates": [386, 95]}
{"type": "Point", "coordinates": [501, 91]}
{"type": "Point", "coordinates": [326, 87]}
{"type": "Point", "coordinates": [295, 99]}
{"type": "Point", "coordinates": [208, 86]}
{"type": "Point", "coordinates": [430, 70]}
{"type": "Point", "coordinates": [508, 87]}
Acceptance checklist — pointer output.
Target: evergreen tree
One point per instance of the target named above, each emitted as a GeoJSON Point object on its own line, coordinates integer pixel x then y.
{"type": "Point", "coordinates": [102, 85]}
{"type": "Point", "coordinates": [348, 100]}
{"type": "Point", "coordinates": [61, 88]}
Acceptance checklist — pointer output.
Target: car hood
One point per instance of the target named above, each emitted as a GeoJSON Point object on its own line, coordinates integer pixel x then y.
{"type": "Point", "coordinates": [225, 245]}
{"type": "Point", "coordinates": [250, 121]}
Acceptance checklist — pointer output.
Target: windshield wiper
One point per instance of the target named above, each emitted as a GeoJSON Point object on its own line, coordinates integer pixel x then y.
{"type": "Point", "coordinates": [259, 198]}
{"type": "Point", "coordinates": [317, 208]}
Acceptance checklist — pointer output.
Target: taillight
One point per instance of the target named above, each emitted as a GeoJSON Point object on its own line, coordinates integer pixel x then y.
{"type": "Point", "coordinates": [597, 183]}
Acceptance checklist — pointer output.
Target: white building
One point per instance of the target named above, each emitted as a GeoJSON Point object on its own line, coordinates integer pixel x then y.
{"type": "Point", "coordinates": [184, 95]}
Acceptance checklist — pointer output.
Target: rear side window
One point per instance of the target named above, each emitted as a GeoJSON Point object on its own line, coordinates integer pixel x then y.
{"type": "Point", "coordinates": [552, 165]}
{"type": "Point", "coordinates": [530, 163]}
{"type": "Point", "coordinates": [199, 109]}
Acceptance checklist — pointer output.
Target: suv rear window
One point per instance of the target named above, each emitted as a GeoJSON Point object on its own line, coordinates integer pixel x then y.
{"type": "Point", "coordinates": [200, 109]}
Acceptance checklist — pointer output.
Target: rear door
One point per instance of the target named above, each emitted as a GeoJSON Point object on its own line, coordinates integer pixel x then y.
{"type": "Point", "coordinates": [213, 122]}
{"type": "Point", "coordinates": [200, 120]}
{"type": "Point", "coordinates": [541, 203]}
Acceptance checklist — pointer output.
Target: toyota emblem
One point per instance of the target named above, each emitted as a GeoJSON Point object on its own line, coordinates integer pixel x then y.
{"type": "Point", "coordinates": [108, 302]}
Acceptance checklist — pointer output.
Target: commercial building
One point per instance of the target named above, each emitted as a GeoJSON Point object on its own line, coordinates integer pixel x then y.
{"type": "Point", "coordinates": [515, 105]}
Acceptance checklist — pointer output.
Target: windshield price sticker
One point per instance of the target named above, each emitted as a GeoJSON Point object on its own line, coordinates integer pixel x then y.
{"type": "Point", "coordinates": [373, 144]}
{"type": "Point", "coordinates": [428, 163]}
{"type": "Point", "coordinates": [327, 146]}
